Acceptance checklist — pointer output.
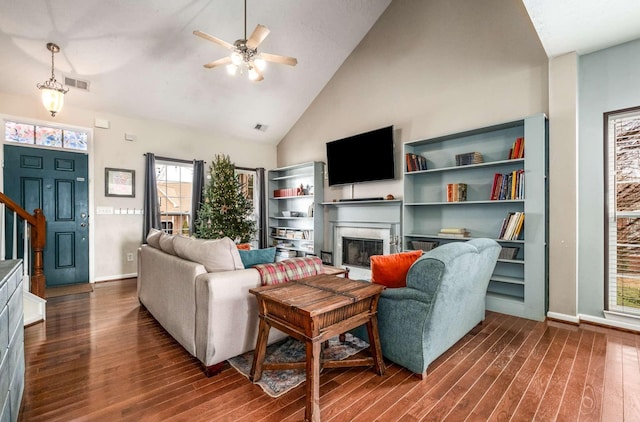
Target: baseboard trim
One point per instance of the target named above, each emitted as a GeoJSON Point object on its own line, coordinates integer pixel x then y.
{"type": "Point", "coordinates": [634, 328]}
{"type": "Point", "coordinates": [570, 319]}
{"type": "Point", "coordinates": [593, 320]}
{"type": "Point", "coordinates": [114, 277]}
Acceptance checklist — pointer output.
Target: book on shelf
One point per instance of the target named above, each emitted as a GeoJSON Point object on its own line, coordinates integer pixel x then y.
{"type": "Point", "coordinates": [511, 226]}
{"type": "Point", "coordinates": [286, 253]}
{"type": "Point", "coordinates": [508, 186]}
{"type": "Point", "coordinates": [468, 158]}
{"type": "Point", "coordinates": [453, 230]}
{"type": "Point", "coordinates": [415, 162]}
{"type": "Point", "coordinates": [517, 149]}
{"type": "Point", "coordinates": [456, 235]}
{"type": "Point", "coordinates": [456, 192]}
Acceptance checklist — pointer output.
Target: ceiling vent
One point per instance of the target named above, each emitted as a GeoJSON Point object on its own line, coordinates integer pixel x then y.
{"type": "Point", "coordinates": [261, 127]}
{"type": "Point", "coordinates": [76, 83]}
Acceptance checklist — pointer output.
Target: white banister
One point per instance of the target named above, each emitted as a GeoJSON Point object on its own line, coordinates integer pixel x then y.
{"type": "Point", "coordinates": [26, 251]}
{"type": "Point", "coordinates": [14, 247]}
{"type": "Point", "coordinates": [3, 249]}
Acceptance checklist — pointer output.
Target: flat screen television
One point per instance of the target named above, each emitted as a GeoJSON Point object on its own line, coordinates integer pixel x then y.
{"type": "Point", "coordinates": [361, 158]}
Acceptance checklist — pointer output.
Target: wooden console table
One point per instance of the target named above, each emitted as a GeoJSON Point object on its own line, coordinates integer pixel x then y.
{"type": "Point", "coordinates": [313, 310]}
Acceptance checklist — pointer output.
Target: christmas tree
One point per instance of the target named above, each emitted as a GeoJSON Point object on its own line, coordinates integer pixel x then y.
{"type": "Point", "coordinates": [225, 210]}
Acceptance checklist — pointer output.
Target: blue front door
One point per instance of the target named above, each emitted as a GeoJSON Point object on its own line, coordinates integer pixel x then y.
{"type": "Point", "coordinates": [56, 182]}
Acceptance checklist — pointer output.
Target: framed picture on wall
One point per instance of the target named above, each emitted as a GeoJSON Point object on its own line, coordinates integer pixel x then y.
{"type": "Point", "coordinates": [119, 182]}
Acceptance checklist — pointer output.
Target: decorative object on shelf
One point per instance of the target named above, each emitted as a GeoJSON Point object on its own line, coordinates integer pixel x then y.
{"type": "Point", "coordinates": [508, 186]}
{"type": "Point", "coordinates": [389, 197]}
{"type": "Point", "coordinates": [326, 257]}
{"type": "Point", "coordinates": [468, 158]}
{"type": "Point", "coordinates": [244, 52]}
{"type": "Point", "coordinates": [310, 210]}
{"type": "Point", "coordinates": [225, 210]}
{"type": "Point", "coordinates": [52, 91]}
{"type": "Point", "coordinates": [424, 245]}
{"type": "Point", "coordinates": [517, 150]}
{"type": "Point", "coordinates": [119, 182]}
{"type": "Point", "coordinates": [415, 162]}
{"type": "Point", "coordinates": [508, 252]}
{"type": "Point", "coordinates": [456, 192]}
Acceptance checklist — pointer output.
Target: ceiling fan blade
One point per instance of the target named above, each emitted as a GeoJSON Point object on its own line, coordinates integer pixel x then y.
{"type": "Point", "coordinates": [259, 73]}
{"type": "Point", "coordinates": [291, 61]}
{"type": "Point", "coordinates": [219, 62]}
{"type": "Point", "coordinates": [258, 35]}
{"type": "Point", "coordinates": [213, 39]}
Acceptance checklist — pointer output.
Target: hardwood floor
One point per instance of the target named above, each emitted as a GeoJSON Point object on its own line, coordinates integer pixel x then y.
{"type": "Point", "coordinates": [100, 357]}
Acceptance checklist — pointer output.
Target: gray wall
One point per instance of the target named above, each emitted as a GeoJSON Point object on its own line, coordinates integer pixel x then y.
{"type": "Point", "coordinates": [608, 81]}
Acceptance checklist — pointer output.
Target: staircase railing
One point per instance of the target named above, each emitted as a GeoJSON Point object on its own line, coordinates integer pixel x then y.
{"type": "Point", "coordinates": [34, 241]}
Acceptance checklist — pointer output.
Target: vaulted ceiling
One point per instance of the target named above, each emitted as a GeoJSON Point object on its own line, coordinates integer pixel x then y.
{"type": "Point", "coordinates": [141, 58]}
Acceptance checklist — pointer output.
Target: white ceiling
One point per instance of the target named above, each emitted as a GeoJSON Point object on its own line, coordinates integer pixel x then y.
{"type": "Point", "coordinates": [142, 59]}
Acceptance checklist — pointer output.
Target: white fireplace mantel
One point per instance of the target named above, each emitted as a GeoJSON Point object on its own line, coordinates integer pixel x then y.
{"type": "Point", "coordinates": [363, 219]}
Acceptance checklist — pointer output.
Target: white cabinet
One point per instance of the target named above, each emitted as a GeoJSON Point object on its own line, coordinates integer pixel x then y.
{"type": "Point", "coordinates": [295, 209]}
{"type": "Point", "coordinates": [12, 364]}
{"type": "Point", "coordinates": [518, 285]}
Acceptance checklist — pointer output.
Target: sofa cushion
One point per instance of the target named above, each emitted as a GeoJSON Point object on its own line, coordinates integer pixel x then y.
{"type": "Point", "coordinates": [153, 238]}
{"type": "Point", "coordinates": [243, 246]}
{"type": "Point", "coordinates": [166, 243]}
{"type": "Point", "coordinates": [289, 269]}
{"type": "Point", "coordinates": [215, 254]}
{"type": "Point", "coordinates": [257, 256]}
{"type": "Point", "coordinates": [391, 270]}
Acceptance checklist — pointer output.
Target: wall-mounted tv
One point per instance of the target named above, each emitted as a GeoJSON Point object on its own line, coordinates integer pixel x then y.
{"type": "Point", "coordinates": [361, 158]}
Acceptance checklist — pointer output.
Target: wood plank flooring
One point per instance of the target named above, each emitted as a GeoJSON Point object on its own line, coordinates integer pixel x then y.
{"type": "Point", "coordinates": [101, 357]}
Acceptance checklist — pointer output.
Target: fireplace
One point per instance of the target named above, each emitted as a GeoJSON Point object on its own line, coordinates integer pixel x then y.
{"type": "Point", "coordinates": [357, 251]}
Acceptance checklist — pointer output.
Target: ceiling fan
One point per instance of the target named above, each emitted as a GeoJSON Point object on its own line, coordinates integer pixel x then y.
{"type": "Point", "coordinates": [244, 52]}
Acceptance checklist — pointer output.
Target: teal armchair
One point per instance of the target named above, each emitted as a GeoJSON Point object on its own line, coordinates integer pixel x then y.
{"type": "Point", "coordinates": [444, 299]}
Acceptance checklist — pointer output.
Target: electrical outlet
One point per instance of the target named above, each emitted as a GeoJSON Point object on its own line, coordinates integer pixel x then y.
{"type": "Point", "coordinates": [130, 256]}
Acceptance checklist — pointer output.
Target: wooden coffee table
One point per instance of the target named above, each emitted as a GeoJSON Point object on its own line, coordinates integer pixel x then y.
{"type": "Point", "coordinates": [313, 310]}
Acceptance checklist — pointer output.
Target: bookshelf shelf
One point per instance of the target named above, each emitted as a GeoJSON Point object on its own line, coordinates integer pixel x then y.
{"type": "Point", "coordinates": [294, 233]}
{"type": "Point", "coordinates": [518, 286]}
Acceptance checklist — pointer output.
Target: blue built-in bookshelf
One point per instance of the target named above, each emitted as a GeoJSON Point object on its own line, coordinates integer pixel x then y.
{"type": "Point", "coordinates": [518, 285]}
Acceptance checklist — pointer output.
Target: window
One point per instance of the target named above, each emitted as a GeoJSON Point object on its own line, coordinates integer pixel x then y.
{"type": "Point", "coordinates": [55, 137]}
{"type": "Point", "coordinates": [622, 211]}
{"type": "Point", "coordinates": [175, 181]}
{"type": "Point", "coordinates": [247, 180]}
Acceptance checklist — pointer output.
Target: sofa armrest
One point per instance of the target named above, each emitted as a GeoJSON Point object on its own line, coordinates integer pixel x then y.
{"type": "Point", "coordinates": [227, 315]}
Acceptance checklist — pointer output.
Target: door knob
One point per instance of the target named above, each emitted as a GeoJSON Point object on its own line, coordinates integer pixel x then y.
{"type": "Point", "coordinates": [83, 224]}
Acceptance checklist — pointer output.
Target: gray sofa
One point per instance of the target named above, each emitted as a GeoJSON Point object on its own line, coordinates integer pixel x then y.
{"type": "Point", "coordinates": [199, 292]}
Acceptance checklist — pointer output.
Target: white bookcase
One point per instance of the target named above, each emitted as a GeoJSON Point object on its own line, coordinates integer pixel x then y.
{"type": "Point", "coordinates": [518, 286]}
{"type": "Point", "coordinates": [296, 214]}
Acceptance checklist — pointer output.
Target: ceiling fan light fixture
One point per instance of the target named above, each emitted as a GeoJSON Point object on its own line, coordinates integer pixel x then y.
{"type": "Point", "coordinates": [260, 63]}
{"type": "Point", "coordinates": [52, 91]}
{"type": "Point", "coordinates": [232, 69]}
{"type": "Point", "coordinates": [236, 58]}
{"type": "Point", "coordinates": [253, 74]}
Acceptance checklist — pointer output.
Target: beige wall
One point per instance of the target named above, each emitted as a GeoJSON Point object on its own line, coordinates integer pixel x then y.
{"type": "Point", "coordinates": [113, 236]}
{"type": "Point", "coordinates": [429, 68]}
{"type": "Point", "coordinates": [563, 184]}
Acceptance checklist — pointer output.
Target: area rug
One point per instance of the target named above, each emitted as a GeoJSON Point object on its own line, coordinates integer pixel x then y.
{"type": "Point", "coordinates": [277, 382]}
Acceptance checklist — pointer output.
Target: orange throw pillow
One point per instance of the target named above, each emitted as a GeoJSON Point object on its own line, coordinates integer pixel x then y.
{"type": "Point", "coordinates": [391, 270]}
{"type": "Point", "coordinates": [244, 246]}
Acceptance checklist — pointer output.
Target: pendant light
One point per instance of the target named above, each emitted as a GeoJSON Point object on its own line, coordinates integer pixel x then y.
{"type": "Point", "coordinates": [52, 91]}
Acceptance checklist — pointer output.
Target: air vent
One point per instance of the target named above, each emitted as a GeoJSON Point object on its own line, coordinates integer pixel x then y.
{"type": "Point", "coordinates": [76, 83]}
{"type": "Point", "coordinates": [261, 127]}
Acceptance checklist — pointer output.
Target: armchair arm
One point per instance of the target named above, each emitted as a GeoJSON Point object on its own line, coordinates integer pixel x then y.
{"type": "Point", "coordinates": [406, 293]}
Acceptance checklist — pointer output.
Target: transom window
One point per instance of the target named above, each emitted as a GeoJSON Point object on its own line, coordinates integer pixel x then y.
{"type": "Point", "coordinates": [622, 172]}
{"type": "Point", "coordinates": [46, 136]}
